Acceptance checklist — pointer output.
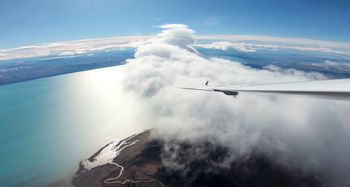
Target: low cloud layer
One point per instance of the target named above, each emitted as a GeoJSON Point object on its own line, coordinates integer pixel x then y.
{"type": "Point", "coordinates": [330, 65]}
{"type": "Point", "coordinates": [308, 134]}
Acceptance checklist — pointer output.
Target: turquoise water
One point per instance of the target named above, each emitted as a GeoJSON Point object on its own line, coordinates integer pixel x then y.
{"type": "Point", "coordinates": [48, 125]}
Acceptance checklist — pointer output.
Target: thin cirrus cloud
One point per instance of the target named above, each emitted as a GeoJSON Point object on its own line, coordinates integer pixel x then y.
{"type": "Point", "coordinates": [242, 43]}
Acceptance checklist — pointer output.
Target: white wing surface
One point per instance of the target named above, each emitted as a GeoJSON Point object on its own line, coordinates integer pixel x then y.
{"type": "Point", "coordinates": [329, 89]}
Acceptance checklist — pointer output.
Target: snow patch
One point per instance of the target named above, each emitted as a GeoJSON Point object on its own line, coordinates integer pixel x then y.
{"type": "Point", "coordinates": [107, 154]}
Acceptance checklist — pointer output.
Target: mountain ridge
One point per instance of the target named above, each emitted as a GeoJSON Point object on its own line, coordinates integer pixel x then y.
{"type": "Point", "coordinates": [141, 161]}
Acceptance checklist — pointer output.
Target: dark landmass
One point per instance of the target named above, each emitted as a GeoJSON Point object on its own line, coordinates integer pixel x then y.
{"type": "Point", "coordinates": [144, 166]}
{"type": "Point", "coordinates": [331, 65]}
{"type": "Point", "coordinates": [12, 71]}
{"type": "Point", "coordinates": [28, 69]}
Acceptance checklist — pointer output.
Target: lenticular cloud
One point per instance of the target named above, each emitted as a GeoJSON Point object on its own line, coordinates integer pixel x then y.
{"type": "Point", "coordinates": [309, 134]}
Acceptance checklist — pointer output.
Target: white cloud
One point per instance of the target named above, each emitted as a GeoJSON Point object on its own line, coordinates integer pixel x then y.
{"type": "Point", "coordinates": [224, 45]}
{"type": "Point", "coordinates": [310, 134]}
{"type": "Point", "coordinates": [327, 64]}
{"type": "Point", "coordinates": [173, 26]}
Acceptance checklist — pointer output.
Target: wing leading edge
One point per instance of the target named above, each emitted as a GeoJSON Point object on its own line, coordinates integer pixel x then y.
{"type": "Point", "coordinates": [329, 89]}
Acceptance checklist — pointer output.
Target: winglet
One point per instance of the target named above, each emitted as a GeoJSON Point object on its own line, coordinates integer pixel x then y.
{"type": "Point", "coordinates": [207, 83]}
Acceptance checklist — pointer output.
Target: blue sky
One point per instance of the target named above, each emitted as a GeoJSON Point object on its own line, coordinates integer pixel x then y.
{"type": "Point", "coordinates": [25, 22]}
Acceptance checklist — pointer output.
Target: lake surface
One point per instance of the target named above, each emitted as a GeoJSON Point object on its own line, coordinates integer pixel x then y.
{"type": "Point", "coordinates": [48, 125]}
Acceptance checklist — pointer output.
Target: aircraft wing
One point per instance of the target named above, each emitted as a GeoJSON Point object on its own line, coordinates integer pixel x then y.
{"type": "Point", "coordinates": [329, 89]}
